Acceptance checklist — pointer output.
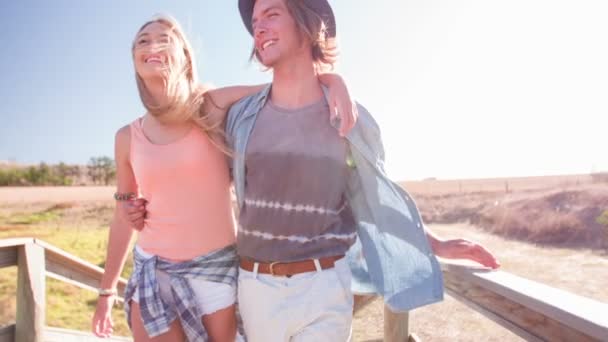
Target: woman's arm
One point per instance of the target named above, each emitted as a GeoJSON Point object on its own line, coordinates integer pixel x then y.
{"type": "Point", "coordinates": [342, 106]}
{"type": "Point", "coordinates": [120, 237]}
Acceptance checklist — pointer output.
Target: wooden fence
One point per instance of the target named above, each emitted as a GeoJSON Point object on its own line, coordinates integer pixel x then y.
{"type": "Point", "coordinates": [532, 310]}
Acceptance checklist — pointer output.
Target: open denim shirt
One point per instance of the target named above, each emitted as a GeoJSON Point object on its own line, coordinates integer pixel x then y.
{"type": "Point", "coordinates": [392, 256]}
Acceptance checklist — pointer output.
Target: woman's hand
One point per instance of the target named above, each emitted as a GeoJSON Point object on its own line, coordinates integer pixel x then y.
{"type": "Point", "coordinates": [102, 325]}
{"type": "Point", "coordinates": [342, 108]}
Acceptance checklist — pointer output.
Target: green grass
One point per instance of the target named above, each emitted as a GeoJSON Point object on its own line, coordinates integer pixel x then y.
{"type": "Point", "coordinates": [34, 218]}
{"type": "Point", "coordinates": [78, 233]}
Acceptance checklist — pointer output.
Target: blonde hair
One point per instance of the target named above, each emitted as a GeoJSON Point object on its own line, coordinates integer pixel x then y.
{"type": "Point", "coordinates": [184, 93]}
{"type": "Point", "coordinates": [311, 26]}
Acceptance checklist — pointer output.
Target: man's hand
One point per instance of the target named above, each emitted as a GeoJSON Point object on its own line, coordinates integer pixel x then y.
{"type": "Point", "coordinates": [465, 249]}
{"type": "Point", "coordinates": [133, 212]}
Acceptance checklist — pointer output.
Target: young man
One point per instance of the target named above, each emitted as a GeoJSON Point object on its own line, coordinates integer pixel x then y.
{"type": "Point", "coordinates": [305, 195]}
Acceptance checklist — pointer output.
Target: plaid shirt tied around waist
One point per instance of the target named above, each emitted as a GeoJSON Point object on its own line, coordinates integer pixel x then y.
{"type": "Point", "coordinates": [218, 266]}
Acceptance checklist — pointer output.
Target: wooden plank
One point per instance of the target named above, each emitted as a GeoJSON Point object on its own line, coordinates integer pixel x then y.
{"type": "Point", "coordinates": [30, 294]}
{"type": "Point", "coordinates": [7, 333]}
{"type": "Point", "coordinates": [396, 326]}
{"type": "Point", "coordinates": [77, 284]}
{"type": "Point", "coordinates": [66, 335]}
{"type": "Point", "coordinates": [62, 264]}
{"type": "Point", "coordinates": [8, 256]}
{"type": "Point", "coordinates": [494, 317]}
{"type": "Point", "coordinates": [14, 242]}
{"type": "Point", "coordinates": [566, 307]}
{"type": "Point", "coordinates": [79, 275]}
{"type": "Point", "coordinates": [8, 250]}
{"type": "Point", "coordinates": [530, 309]}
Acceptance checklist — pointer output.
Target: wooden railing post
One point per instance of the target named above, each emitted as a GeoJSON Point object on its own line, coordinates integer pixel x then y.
{"type": "Point", "coordinates": [396, 326]}
{"type": "Point", "coordinates": [31, 293]}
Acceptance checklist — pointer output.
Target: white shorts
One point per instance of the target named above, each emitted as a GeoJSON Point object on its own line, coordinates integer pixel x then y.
{"type": "Point", "coordinates": [312, 306]}
{"type": "Point", "coordinates": [210, 296]}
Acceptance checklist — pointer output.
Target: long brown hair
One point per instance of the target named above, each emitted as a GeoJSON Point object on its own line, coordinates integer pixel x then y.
{"type": "Point", "coordinates": [312, 27]}
{"type": "Point", "coordinates": [185, 94]}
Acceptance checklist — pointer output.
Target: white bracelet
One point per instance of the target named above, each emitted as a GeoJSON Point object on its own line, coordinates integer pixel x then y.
{"type": "Point", "coordinates": [107, 292]}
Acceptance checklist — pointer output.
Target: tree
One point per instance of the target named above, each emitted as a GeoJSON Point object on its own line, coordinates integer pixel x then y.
{"type": "Point", "coordinates": [38, 175]}
{"type": "Point", "coordinates": [94, 170]}
{"type": "Point", "coordinates": [101, 170]}
{"type": "Point", "coordinates": [108, 170]}
{"type": "Point", "coordinates": [66, 174]}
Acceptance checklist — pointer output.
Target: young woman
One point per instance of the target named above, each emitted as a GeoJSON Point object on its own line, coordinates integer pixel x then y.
{"type": "Point", "coordinates": [184, 277]}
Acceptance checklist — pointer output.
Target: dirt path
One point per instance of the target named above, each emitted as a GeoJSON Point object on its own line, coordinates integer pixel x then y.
{"type": "Point", "coordinates": [55, 194]}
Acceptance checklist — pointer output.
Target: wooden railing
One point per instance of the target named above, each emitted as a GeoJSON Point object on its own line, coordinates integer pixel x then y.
{"type": "Point", "coordinates": [36, 260]}
{"type": "Point", "coordinates": [532, 310]}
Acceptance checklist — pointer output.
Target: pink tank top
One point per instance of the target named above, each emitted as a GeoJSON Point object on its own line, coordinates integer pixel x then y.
{"type": "Point", "coordinates": [187, 186]}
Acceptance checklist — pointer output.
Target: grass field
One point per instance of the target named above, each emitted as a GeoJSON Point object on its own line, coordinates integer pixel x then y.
{"type": "Point", "coordinates": [76, 220]}
{"type": "Point", "coordinates": [80, 230]}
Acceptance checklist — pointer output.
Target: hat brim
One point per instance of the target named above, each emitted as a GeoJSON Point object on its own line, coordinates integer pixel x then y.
{"type": "Point", "coordinates": [321, 7]}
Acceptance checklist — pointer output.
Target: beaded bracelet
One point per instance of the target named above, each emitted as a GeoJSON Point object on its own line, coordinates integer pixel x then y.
{"type": "Point", "coordinates": [124, 196]}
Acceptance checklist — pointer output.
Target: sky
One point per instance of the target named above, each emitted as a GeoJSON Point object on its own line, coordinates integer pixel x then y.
{"type": "Point", "coordinates": [460, 89]}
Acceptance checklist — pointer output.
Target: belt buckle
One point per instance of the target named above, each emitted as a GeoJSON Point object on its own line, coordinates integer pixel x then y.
{"type": "Point", "coordinates": [271, 267]}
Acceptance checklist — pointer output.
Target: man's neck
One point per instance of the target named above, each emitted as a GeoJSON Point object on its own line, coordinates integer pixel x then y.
{"type": "Point", "coordinates": [295, 84]}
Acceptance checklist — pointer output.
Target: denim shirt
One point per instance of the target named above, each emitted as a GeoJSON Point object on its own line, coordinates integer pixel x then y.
{"type": "Point", "coordinates": [392, 256]}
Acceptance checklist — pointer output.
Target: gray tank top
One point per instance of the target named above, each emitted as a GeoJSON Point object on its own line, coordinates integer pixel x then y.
{"type": "Point", "coordinates": [296, 176]}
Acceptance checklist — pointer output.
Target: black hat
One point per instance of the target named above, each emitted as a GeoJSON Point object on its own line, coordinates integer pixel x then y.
{"type": "Point", "coordinates": [321, 7]}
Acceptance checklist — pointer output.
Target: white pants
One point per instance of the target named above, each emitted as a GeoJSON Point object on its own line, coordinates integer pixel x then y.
{"type": "Point", "coordinates": [313, 306]}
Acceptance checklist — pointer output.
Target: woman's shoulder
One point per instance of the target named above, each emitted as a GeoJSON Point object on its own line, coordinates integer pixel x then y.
{"type": "Point", "coordinates": [124, 132]}
{"type": "Point", "coordinates": [122, 138]}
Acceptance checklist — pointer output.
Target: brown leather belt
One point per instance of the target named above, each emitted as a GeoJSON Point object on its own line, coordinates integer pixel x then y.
{"type": "Point", "coordinates": [287, 269]}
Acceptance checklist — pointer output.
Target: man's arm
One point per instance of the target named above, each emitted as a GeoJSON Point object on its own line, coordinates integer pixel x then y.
{"type": "Point", "coordinates": [218, 100]}
{"type": "Point", "coordinates": [461, 249]}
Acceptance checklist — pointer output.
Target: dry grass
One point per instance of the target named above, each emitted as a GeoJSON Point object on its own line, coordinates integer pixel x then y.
{"type": "Point", "coordinates": [568, 218]}
{"type": "Point", "coordinates": [558, 217]}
